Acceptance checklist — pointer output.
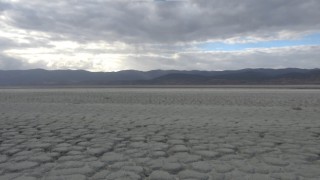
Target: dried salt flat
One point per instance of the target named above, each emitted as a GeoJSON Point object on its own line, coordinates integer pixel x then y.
{"type": "Point", "coordinates": [159, 134]}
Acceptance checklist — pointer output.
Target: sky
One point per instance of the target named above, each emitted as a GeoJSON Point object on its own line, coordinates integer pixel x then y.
{"type": "Point", "coordinates": [114, 35]}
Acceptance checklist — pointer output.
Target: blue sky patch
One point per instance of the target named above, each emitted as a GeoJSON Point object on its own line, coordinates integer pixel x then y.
{"type": "Point", "coordinates": [312, 39]}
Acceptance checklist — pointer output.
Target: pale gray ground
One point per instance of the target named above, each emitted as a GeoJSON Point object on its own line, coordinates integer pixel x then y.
{"type": "Point", "coordinates": [159, 134]}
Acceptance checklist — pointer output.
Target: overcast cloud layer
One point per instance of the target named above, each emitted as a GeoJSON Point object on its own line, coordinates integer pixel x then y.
{"type": "Point", "coordinates": [107, 35]}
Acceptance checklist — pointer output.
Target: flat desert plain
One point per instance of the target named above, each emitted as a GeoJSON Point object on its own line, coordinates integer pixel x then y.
{"type": "Point", "coordinates": [159, 134]}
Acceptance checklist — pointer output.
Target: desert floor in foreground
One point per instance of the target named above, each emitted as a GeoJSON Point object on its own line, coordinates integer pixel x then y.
{"type": "Point", "coordinates": [159, 134]}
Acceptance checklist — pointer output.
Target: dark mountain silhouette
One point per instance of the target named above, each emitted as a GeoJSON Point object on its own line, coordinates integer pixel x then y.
{"type": "Point", "coordinates": [246, 76]}
{"type": "Point", "coordinates": [42, 77]}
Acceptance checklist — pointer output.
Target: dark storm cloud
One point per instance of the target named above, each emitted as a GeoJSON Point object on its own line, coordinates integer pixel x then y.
{"type": "Point", "coordinates": [165, 22]}
{"type": "Point", "coordinates": [4, 6]}
{"type": "Point", "coordinates": [11, 63]}
{"type": "Point", "coordinates": [6, 43]}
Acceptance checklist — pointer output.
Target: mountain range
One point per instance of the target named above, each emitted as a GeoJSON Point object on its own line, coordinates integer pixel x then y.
{"type": "Point", "coordinates": [41, 77]}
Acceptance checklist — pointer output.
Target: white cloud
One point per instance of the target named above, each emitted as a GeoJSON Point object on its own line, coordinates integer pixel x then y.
{"type": "Point", "coordinates": [299, 56]}
{"type": "Point", "coordinates": [114, 35]}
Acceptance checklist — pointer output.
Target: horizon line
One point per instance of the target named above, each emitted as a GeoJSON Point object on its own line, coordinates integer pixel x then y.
{"type": "Point", "coordinates": [317, 68]}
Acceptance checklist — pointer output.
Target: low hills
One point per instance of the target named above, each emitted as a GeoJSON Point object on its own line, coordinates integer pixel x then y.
{"type": "Point", "coordinates": [40, 77]}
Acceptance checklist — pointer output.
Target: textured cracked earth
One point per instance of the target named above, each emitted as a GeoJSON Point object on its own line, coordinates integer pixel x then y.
{"type": "Point", "coordinates": [159, 134]}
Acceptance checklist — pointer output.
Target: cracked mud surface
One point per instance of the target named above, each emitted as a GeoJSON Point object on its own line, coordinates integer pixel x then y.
{"type": "Point", "coordinates": [159, 134]}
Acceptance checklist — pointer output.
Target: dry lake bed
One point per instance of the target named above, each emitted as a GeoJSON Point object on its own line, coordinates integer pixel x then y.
{"type": "Point", "coordinates": [159, 134]}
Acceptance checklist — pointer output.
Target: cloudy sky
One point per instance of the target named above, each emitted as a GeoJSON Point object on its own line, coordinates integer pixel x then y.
{"type": "Point", "coordinates": [112, 35]}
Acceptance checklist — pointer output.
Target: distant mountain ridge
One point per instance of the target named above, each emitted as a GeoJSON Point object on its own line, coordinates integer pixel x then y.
{"type": "Point", "coordinates": [40, 77]}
